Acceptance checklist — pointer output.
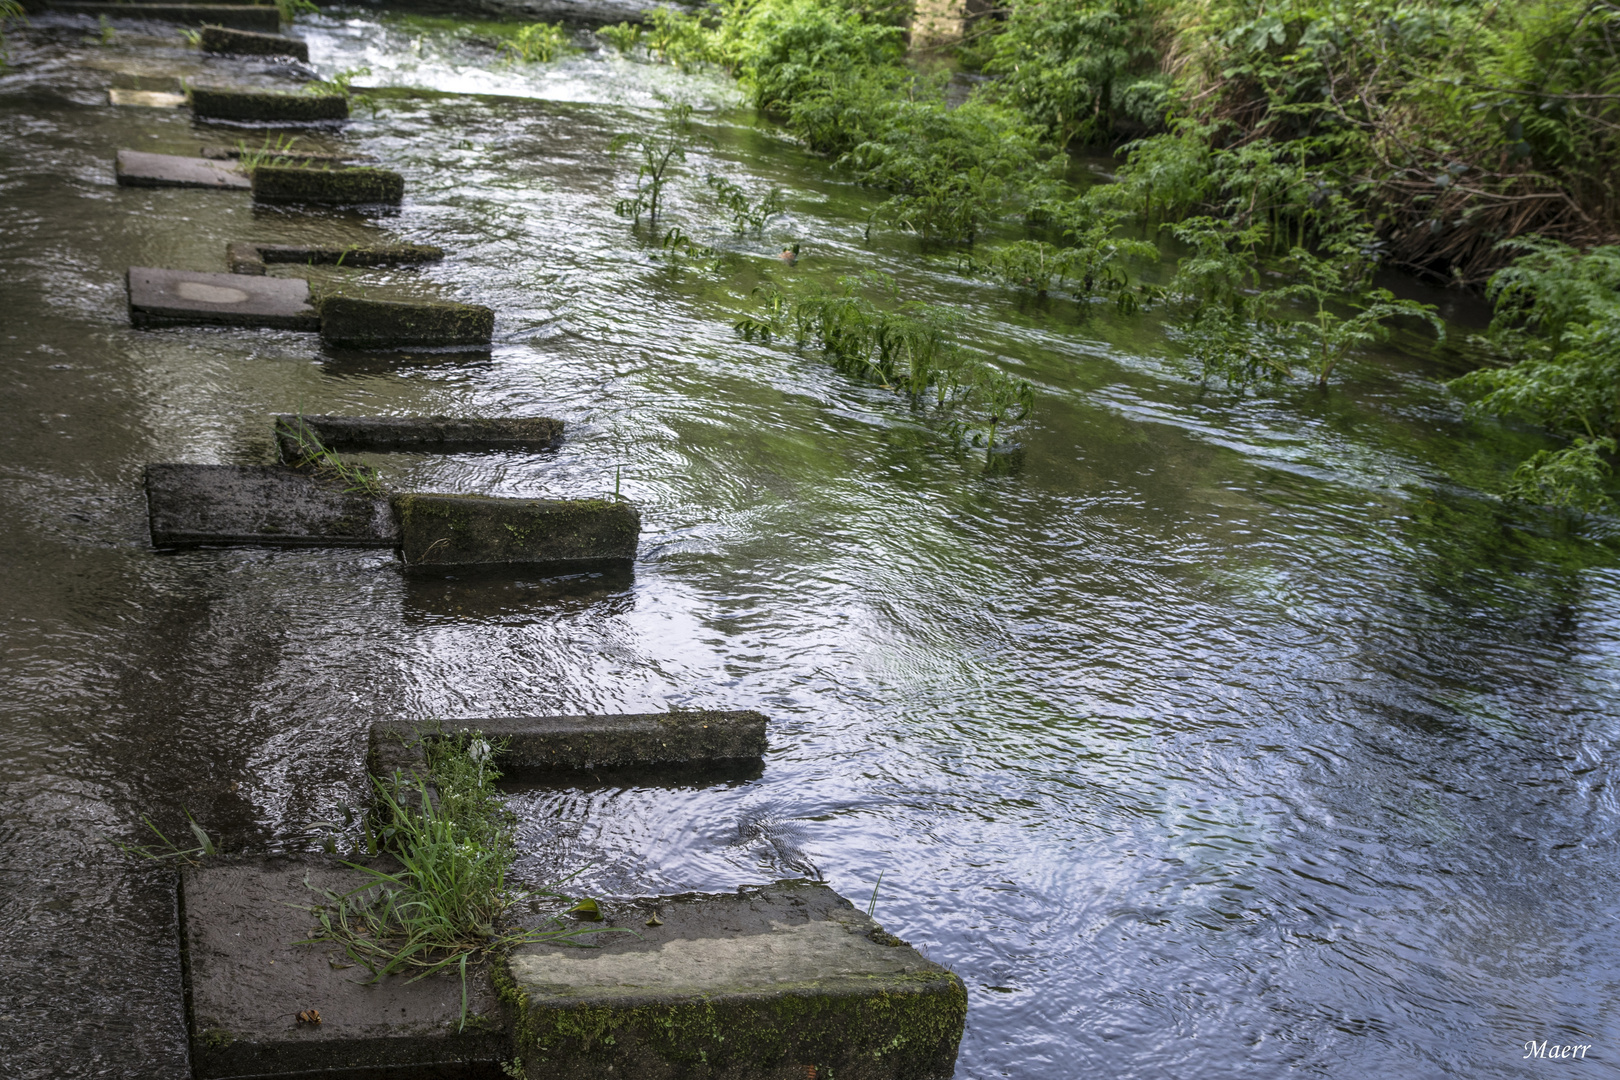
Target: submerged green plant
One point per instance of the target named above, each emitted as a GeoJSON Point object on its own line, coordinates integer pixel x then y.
{"type": "Point", "coordinates": [659, 151]}
{"type": "Point", "coordinates": [166, 850]}
{"type": "Point", "coordinates": [538, 43]}
{"type": "Point", "coordinates": [310, 453]}
{"type": "Point", "coordinates": [746, 215]}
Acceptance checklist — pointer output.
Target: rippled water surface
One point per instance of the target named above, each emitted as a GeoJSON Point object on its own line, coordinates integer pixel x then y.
{"type": "Point", "coordinates": [1228, 738]}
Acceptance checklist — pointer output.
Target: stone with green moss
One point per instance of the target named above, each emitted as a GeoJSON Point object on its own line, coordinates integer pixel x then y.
{"type": "Point", "coordinates": [219, 39]}
{"type": "Point", "coordinates": [443, 532]}
{"type": "Point", "coordinates": [324, 185]}
{"type": "Point", "coordinates": [361, 322]}
{"type": "Point", "coordinates": [267, 106]}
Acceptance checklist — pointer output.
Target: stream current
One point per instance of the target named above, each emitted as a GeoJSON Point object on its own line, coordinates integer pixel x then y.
{"type": "Point", "coordinates": [1229, 737]}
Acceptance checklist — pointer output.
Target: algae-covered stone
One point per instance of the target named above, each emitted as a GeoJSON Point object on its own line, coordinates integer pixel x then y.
{"type": "Point", "coordinates": [453, 531]}
{"type": "Point", "coordinates": [267, 106]}
{"type": "Point", "coordinates": [357, 186]}
{"type": "Point", "coordinates": [420, 434]}
{"type": "Point", "coordinates": [784, 981]}
{"type": "Point", "coordinates": [363, 323]}
{"type": "Point", "coordinates": [218, 39]}
{"type": "Point", "coordinates": [351, 255]}
{"type": "Point", "coordinates": [188, 505]}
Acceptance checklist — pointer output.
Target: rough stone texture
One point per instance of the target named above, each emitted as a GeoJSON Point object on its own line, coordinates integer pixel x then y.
{"type": "Point", "coordinates": [446, 532]}
{"type": "Point", "coordinates": [421, 434]}
{"type": "Point", "coordinates": [246, 258]}
{"type": "Point", "coordinates": [267, 106]}
{"type": "Point", "coordinates": [190, 298]}
{"type": "Point", "coordinates": [246, 983]}
{"type": "Point", "coordinates": [151, 99]}
{"type": "Point", "coordinates": [135, 168]}
{"type": "Point", "coordinates": [327, 186]}
{"type": "Point", "coordinates": [361, 323]}
{"type": "Point", "coordinates": [218, 39]}
{"type": "Point", "coordinates": [188, 505]}
{"type": "Point", "coordinates": [699, 737]}
{"type": "Point", "coordinates": [264, 19]}
{"type": "Point", "coordinates": [776, 983]}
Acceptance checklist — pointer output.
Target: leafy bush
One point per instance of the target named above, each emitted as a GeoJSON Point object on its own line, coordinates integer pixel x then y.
{"type": "Point", "coordinates": [538, 43]}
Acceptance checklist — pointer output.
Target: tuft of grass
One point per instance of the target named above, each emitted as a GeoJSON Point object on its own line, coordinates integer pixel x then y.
{"type": "Point", "coordinates": [166, 850]}
{"type": "Point", "coordinates": [275, 151]}
{"type": "Point", "coordinates": [9, 9]}
{"type": "Point", "coordinates": [314, 455]}
{"type": "Point", "coordinates": [538, 43]}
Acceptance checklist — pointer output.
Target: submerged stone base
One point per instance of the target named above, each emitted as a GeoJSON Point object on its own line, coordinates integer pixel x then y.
{"type": "Point", "coordinates": [327, 186]}
{"type": "Point", "coordinates": [360, 323]}
{"type": "Point", "coordinates": [218, 39]}
{"type": "Point", "coordinates": [247, 982]}
{"type": "Point", "coordinates": [776, 983]}
{"type": "Point", "coordinates": [191, 505]}
{"type": "Point", "coordinates": [135, 168]}
{"type": "Point", "coordinates": [448, 532]}
{"type": "Point", "coordinates": [267, 106]}
{"type": "Point", "coordinates": [421, 434]}
{"type": "Point", "coordinates": [249, 258]}
{"type": "Point", "coordinates": [190, 298]}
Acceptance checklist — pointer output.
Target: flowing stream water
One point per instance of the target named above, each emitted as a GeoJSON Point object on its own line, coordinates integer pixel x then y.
{"type": "Point", "coordinates": [1228, 737]}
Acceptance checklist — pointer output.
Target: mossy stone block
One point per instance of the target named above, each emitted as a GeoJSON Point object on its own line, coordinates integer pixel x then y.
{"type": "Point", "coordinates": [420, 434]}
{"type": "Point", "coordinates": [263, 505]}
{"type": "Point", "coordinates": [267, 106]}
{"type": "Point", "coordinates": [219, 39]}
{"type": "Point", "coordinates": [451, 531]}
{"type": "Point", "coordinates": [780, 982]}
{"type": "Point", "coordinates": [363, 323]}
{"type": "Point", "coordinates": [321, 185]}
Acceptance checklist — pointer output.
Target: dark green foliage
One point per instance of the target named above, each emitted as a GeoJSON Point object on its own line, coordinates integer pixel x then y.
{"type": "Point", "coordinates": [658, 152]}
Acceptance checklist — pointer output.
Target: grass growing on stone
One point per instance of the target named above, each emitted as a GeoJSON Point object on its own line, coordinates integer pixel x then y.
{"type": "Point", "coordinates": [275, 151]}
{"type": "Point", "coordinates": [313, 454]}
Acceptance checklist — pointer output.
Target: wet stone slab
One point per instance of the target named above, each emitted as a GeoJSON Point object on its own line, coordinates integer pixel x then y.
{"type": "Point", "coordinates": [219, 39]}
{"type": "Point", "coordinates": [419, 434]}
{"type": "Point", "coordinates": [773, 983]}
{"type": "Point", "coordinates": [249, 258]}
{"type": "Point", "coordinates": [359, 322]}
{"type": "Point", "coordinates": [450, 532]}
{"type": "Point", "coordinates": [261, 18]}
{"type": "Point", "coordinates": [149, 99]}
{"type": "Point", "coordinates": [191, 505]}
{"type": "Point", "coordinates": [323, 185]}
{"type": "Point", "coordinates": [267, 106]}
{"type": "Point", "coordinates": [191, 298]}
{"type": "Point", "coordinates": [247, 982]}
{"type": "Point", "coordinates": [136, 168]}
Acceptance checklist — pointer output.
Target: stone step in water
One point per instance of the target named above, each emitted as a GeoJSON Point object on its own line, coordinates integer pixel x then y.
{"type": "Point", "coordinates": [219, 39]}
{"type": "Point", "coordinates": [418, 434]}
{"type": "Point", "coordinates": [267, 106]}
{"type": "Point", "coordinates": [150, 99]}
{"type": "Point", "coordinates": [238, 16]}
{"type": "Point", "coordinates": [250, 258]}
{"type": "Point", "coordinates": [327, 185]}
{"type": "Point", "coordinates": [136, 168]}
{"type": "Point", "coordinates": [191, 298]}
{"type": "Point", "coordinates": [270, 505]}
{"type": "Point", "coordinates": [359, 322]}
{"type": "Point", "coordinates": [460, 532]}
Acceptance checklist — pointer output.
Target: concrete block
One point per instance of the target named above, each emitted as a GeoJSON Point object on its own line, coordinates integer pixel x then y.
{"type": "Point", "coordinates": [135, 168]}
{"type": "Point", "coordinates": [189, 505]}
{"type": "Point", "coordinates": [422, 434]}
{"type": "Point", "coordinates": [361, 323]}
{"type": "Point", "coordinates": [327, 186]}
{"type": "Point", "coordinates": [449, 532]}
{"type": "Point", "coordinates": [189, 298]}
{"type": "Point", "coordinates": [267, 106]}
{"type": "Point", "coordinates": [151, 99]}
{"type": "Point", "coordinates": [262, 18]}
{"type": "Point", "coordinates": [218, 39]}
{"type": "Point", "coordinates": [246, 982]}
{"type": "Point", "coordinates": [248, 258]}
{"type": "Point", "coordinates": [785, 981]}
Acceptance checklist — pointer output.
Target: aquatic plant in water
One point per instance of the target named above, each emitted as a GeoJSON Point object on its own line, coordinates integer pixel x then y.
{"type": "Point", "coordinates": [624, 37]}
{"type": "Point", "coordinates": [658, 151]}
{"type": "Point", "coordinates": [746, 214]}
{"type": "Point", "coordinates": [314, 455]}
{"type": "Point", "coordinates": [537, 43]}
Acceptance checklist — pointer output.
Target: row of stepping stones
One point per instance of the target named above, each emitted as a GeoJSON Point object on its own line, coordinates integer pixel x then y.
{"type": "Point", "coordinates": [785, 980]}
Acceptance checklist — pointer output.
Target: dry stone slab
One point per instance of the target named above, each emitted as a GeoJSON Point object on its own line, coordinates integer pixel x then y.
{"type": "Point", "coordinates": [149, 99]}
{"type": "Point", "coordinates": [327, 186]}
{"type": "Point", "coordinates": [136, 168]}
{"type": "Point", "coordinates": [267, 106]}
{"type": "Point", "coordinates": [220, 39]}
{"type": "Point", "coordinates": [359, 322]}
{"type": "Point", "coordinates": [191, 298]}
{"type": "Point", "coordinates": [420, 434]}
{"type": "Point", "coordinates": [249, 258]}
{"type": "Point", "coordinates": [265, 505]}
{"type": "Point", "coordinates": [451, 532]}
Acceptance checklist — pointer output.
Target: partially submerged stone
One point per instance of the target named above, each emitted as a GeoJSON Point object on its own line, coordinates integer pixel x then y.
{"type": "Point", "coordinates": [189, 505]}
{"type": "Point", "coordinates": [326, 185]}
{"type": "Point", "coordinates": [248, 258]}
{"type": "Point", "coordinates": [267, 106]}
{"type": "Point", "coordinates": [151, 99]}
{"type": "Point", "coordinates": [219, 39]}
{"type": "Point", "coordinates": [247, 983]}
{"type": "Point", "coordinates": [246, 16]}
{"type": "Point", "coordinates": [136, 168]}
{"type": "Point", "coordinates": [789, 980]}
{"type": "Point", "coordinates": [420, 434]}
{"type": "Point", "coordinates": [191, 298]}
{"type": "Point", "coordinates": [449, 532]}
{"type": "Point", "coordinates": [363, 323]}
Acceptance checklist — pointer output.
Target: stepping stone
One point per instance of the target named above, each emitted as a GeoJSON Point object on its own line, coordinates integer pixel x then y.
{"type": "Point", "coordinates": [328, 186]}
{"type": "Point", "coordinates": [188, 505]}
{"type": "Point", "coordinates": [135, 168]}
{"type": "Point", "coordinates": [217, 39]}
{"type": "Point", "coordinates": [241, 16]}
{"type": "Point", "coordinates": [248, 258]}
{"type": "Point", "coordinates": [361, 323]}
{"type": "Point", "coordinates": [189, 298]}
{"type": "Point", "coordinates": [267, 106]}
{"type": "Point", "coordinates": [420, 434]}
{"type": "Point", "coordinates": [453, 532]}
{"type": "Point", "coordinates": [710, 738]}
{"type": "Point", "coordinates": [788, 980]}
{"type": "Point", "coordinates": [247, 982]}
{"type": "Point", "coordinates": [151, 99]}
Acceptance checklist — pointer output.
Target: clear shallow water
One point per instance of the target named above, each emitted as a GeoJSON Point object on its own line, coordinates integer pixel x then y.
{"type": "Point", "coordinates": [1231, 737]}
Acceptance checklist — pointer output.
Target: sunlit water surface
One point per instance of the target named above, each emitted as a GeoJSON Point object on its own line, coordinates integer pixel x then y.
{"type": "Point", "coordinates": [1230, 737]}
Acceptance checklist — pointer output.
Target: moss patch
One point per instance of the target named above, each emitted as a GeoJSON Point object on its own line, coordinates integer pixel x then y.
{"type": "Point", "coordinates": [364, 323]}
{"type": "Point", "coordinates": [465, 530]}
{"type": "Point", "coordinates": [267, 106]}
{"type": "Point", "coordinates": [357, 186]}
{"type": "Point", "coordinates": [218, 39]}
